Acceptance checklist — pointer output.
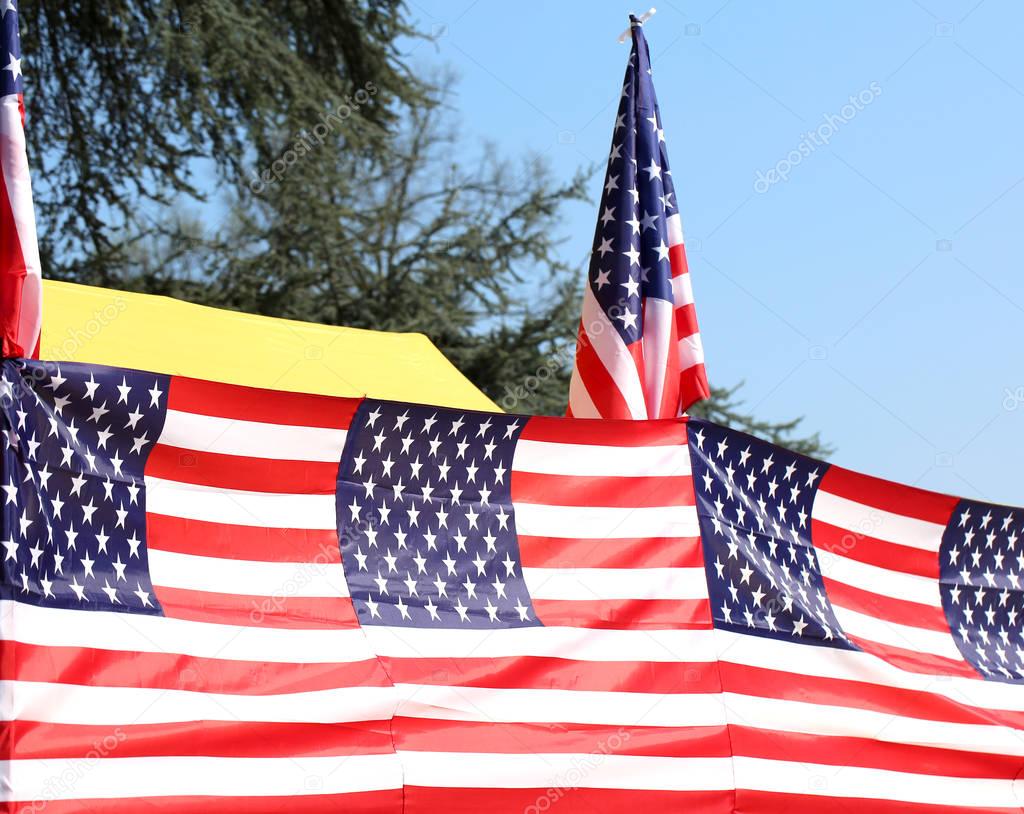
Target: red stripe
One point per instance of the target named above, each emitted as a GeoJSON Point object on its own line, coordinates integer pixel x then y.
{"type": "Point", "coordinates": [874, 754]}
{"type": "Point", "coordinates": [563, 800]}
{"type": "Point", "coordinates": [433, 735]}
{"type": "Point", "coordinates": [295, 612]}
{"type": "Point", "coordinates": [677, 259]}
{"type": "Point", "coordinates": [113, 668]}
{"type": "Point", "coordinates": [891, 556]}
{"type": "Point", "coordinates": [631, 493]}
{"type": "Point", "coordinates": [536, 672]}
{"type": "Point", "coordinates": [693, 386]}
{"type": "Point", "coordinates": [12, 275]}
{"type": "Point", "coordinates": [32, 739]}
{"type": "Point", "coordinates": [226, 541]}
{"type": "Point", "coordinates": [661, 433]}
{"type": "Point", "coordinates": [241, 472]}
{"type": "Point", "coordinates": [368, 802]}
{"type": "Point", "coordinates": [900, 611]}
{"type": "Point", "coordinates": [914, 662]}
{"type": "Point", "coordinates": [626, 614]}
{"type": "Point", "coordinates": [686, 321]}
{"type": "Point", "coordinates": [766, 802]}
{"type": "Point", "coordinates": [257, 404]}
{"type": "Point", "coordinates": [889, 496]}
{"type": "Point", "coordinates": [633, 552]}
{"type": "Point", "coordinates": [600, 385]}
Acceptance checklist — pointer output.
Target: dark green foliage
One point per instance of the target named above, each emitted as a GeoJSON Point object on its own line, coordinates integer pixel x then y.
{"type": "Point", "coordinates": [337, 190]}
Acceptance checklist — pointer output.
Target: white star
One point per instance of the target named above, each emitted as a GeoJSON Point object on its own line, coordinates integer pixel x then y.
{"type": "Point", "coordinates": [492, 611]}
{"type": "Point", "coordinates": [632, 287]}
{"type": "Point", "coordinates": [633, 255]}
{"type": "Point", "coordinates": [523, 611]}
{"type": "Point", "coordinates": [461, 610]}
{"type": "Point", "coordinates": [653, 171]}
{"type": "Point", "coordinates": [432, 610]}
{"type": "Point", "coordinates": [371, 606]}
{"type": "Point", "coordinates": [143, 596]}
{"type": "Point", "coordinates": [605, 247]}
{"type": "Point", "coordinates": [123, 390]}
{"type": "Point", "coordinates": [110, 592]}
{"type": "Point", "coordinates": [78, 589]}
{"type": "Point", "coordinates": [662, 251]}
{"type": "Point", "coordinates": [154, 394]}
{"type": "Point", "coordinates": [601, 280]}
{"type": "Point", "coordinates": [14, 66]}
{"type": "Point", "coordinates": [12, 550]}
{"type": "Point", "coordinates": [90, 388]}
{"type": "Point", "coordinates": [612, 183]}
{"type": "Point", "coordinates": [609, 215]}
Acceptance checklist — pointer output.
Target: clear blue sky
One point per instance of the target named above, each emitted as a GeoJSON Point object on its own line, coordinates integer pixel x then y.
{"type": "Point", "coordinates": [878, 289]}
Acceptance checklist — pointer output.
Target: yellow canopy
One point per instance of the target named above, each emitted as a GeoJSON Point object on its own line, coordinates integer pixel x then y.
{"type": "Point", "coordinates": [102, 326]}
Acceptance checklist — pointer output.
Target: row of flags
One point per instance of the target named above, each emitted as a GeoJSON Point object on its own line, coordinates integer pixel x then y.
{"type": "Point", "coordinates": [221, 599]}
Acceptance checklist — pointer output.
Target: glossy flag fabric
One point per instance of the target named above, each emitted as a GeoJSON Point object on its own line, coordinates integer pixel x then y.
{"type": "Point", "coordinates": [20, 278]}
{"type": "Point", "coordinates": [639, 353]}
{"type": "Point", "coordinates": [222, 599]}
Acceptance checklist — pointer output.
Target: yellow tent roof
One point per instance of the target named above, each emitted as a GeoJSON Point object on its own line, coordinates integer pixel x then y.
{"type": "Point", "coordinates": [103, 326]}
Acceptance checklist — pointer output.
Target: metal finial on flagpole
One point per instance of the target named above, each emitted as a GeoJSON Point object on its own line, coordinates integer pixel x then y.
{"type": "Point", "coordinates": [643, 18]}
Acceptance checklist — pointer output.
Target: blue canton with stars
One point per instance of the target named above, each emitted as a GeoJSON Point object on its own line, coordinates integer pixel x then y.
{"type": "Point", "coordinates": [11, 81]}
{"type": "Point", "coordinates": [425, 518]}
{"type": "Point", "coordinates": [754, 505]}
{"type": "Point", "coordinates": [981, 562]}
{"type": "Point", "coordinates": [75, 442]}
{"type": "Point", "coordinates": [630, 256]}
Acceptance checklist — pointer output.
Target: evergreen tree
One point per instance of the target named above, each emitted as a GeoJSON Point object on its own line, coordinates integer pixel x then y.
{"type": "Point", "coordinates": [346, 197]}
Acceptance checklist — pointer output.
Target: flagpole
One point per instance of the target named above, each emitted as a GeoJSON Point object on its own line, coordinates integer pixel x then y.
{"type": "Point", "coordinates": [643, 18]}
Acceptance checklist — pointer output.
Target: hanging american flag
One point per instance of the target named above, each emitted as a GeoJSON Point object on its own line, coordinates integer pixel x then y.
{"type": "Point", "coordinates": [20, 279]}
{"type": "Point", "coordinates": [221, 599]}
{"type": "Point", "coordinates": [639, 353]}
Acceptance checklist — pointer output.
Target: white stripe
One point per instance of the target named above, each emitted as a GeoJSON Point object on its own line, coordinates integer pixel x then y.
{"type": "Point", "coordinates": [56, 627]}
{"type": "Point", "coordinates": [606, 522]}
{"type": "Point", "coordinates": [616, 583]}
{"type": "Point", "coordinates": [675, 229]}
{"type": "Point", "coordinates": [775, 715]}
{"type": "Point", "coordinates": [557, 642]}
{"type": "Point", "coordinates": [252, 578]}
{"type": "Point", "coordinates": [659, 316]}
{"type": "Point", "coordinates": [848, 665]}
{"type": "Point", "coordinates": [896, 635]}
{"type": "Point", "coordinates": [883, 581]}
{"type": "Point", "coordinates": [486, 704]}
{"type": "Point", "coordinates": [125, 706]}
{"type": "Point", "coordinates": [691, 351]}
{"type": "Point", "coordinates": [614, 355]}
{"type": "Point", "coordinates": [682, 290]}
{"type": "Point", "coordinates": [875, 784]}
{"type": "Point", "coordinates": [14, 165]}
{"type": "Point", "coordinates": [580, 403]}
{"type": "Point", "coordinates": [564, 772]}
{"type": "Point", "coordinates": [133, 777]}
{"type": "Point", "coordinates": [551, 458]}
{"type": "Point", "coordinates": [251, 439]}
{"type": "Point", "coordinates": [240, 508]}
{"type": "Point", "coordinates": [877, 523]}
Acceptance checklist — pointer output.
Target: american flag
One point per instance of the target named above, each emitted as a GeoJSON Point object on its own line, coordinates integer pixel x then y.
{"type": "Point", "coordinates": [223, 599]}
{"type": "Point", "coordinates": [20, 279]}
{"type": "Point", "coordinates": [638, 353]}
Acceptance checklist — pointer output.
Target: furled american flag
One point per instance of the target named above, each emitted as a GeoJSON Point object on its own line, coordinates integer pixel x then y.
{"type": "Point", "coordinates": [20, 279]}
{"type": "Point", "coordinates": [639, 353]}
{"type": "Point", "coordinates": [221, 599]}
